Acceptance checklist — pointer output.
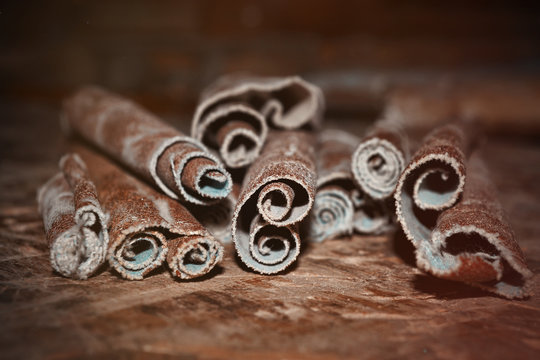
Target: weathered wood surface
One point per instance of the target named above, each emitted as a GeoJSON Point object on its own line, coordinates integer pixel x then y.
{"type": "Point", "coordinates": [355, 298]}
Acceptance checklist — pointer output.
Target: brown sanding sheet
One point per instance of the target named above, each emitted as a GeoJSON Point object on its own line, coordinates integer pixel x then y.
{"type": "Point", "coordinates": [236, 113]}
{"type": "Point", "coordinates": [449, 210]}
{"type": "Point", "coordinates": [277, 193]}
{"type": "Point", "coordinates": [147, 228]}
{"type": "Point", "coordinates": [340, 206]}
{"type": "Point", "coordinates": [75, 224]}
{"type": "Point", "coordinates": [380, 158]}
{"type": "Point", "coordinates": [179, 165]}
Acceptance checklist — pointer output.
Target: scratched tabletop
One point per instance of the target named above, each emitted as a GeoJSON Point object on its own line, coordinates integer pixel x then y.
{"type": "Point", "coordinates": [358, 297]}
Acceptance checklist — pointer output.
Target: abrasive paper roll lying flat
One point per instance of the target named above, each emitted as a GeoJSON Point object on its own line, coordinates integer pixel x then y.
{"type": "Point", "coordinates": [277, 193]}
{"type": "Point", "coordinates": [236, 112]}
{"type": "Point", "coordinates": [340, 207]}
{"type": "Point", "coordinates": [380, 158]}
{"type": "Point", "coordinates": [75, 224]}
{"type": "Point", "coordinates": [146, 227]}
{"type": "Point", "coordinates": [179, 165]}
{"type": "Point", "coordinates": [448, 209]}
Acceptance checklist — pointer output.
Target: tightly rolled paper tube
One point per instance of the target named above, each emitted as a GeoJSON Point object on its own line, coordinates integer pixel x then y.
{"type": "Point", "coordinates": [194, 255]}
{"type": "Point", "coordinates": [179, 165]}
{"type": "Point", "coordinates": [236, 111]}
{"type": "Point", "coordinates": [380, 158]}
{"type": "Point", "coordinates": [473, 241]}
{"type": "Point", "coordinates": [272, 248]}
{"type": "Point", "coordinates": [277, 193]}
{"type": "Point", "coordinates": [470, 241]}
{"type": "Point", "coordinates": [340, 208]}
{"type": "Point", "coordinates": [75, 224]}
{"type": "Point", "coordinates": [146, 227]}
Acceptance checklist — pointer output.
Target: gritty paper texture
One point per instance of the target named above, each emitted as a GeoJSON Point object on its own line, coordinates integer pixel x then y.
{"type": "Point", "coordinates": [341, 207]}
{"type": "Point", "coordinates": [179, 165]}
{"type": "Point", "coordinates": [380, 158]}
{"type": "Point", "coordinates": [147, 228]}
{"type": "Point", "coordinates": [448, 209]}
{"type": "Point", "coordinates": [277, 193]}
{"type": "Point", "coordinates": [75, 224]}
{"type": "Point", "coordinates": [236, 113]}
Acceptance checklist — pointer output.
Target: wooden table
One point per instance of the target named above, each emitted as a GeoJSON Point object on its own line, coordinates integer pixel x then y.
{"type": "Point", "coordinates": [359, 297]}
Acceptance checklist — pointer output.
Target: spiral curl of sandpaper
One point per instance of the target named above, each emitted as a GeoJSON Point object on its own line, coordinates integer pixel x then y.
{"type": "Point", "coordinates": [474, 243]}
{"type": "Point", "coordinates": [235, 113]}
{"type": "Point", "coordinates": [278, 193]}
{"type": "Point", "coordinates": [193, 256]}
{"type": "Point", "coordinates": [332, 215]}
{"type": "Point", "coordinates": [179, 165]}
{"type": "Point", "coordinates": [377, 164]}
{"type": "Point", "coordinates": [145, 225]}
{"type": "Point", "coordinates": [138, 254]}
{"type": "Point", "coordinates": [273, 247]}
{"type": "Point", "coordinates": [432, 181]}
{"type": "Point", "coordinates": [75, 225]}
{"type": "Point", "coordinates": [236, 131]}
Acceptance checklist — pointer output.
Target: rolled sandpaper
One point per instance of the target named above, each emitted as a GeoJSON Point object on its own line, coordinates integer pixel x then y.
{"type": "Point", "coordinates": [340, 207]}
{"type": "Point", "coordinates": [448, 209]}
{"type": "Point", "coordinates": [380, 158]}
{"type": "Point", "coordinates": [277, 193]}
{"type": "Point", "coordinates": [179, 165]}
{"type": "Point", "coordinates": [432, 181]}
{"type": "Point", "coordinates": [75, 224]}
{"type": "Point", "coordinates": [146, 227]}
{"type": "Point", "coordinates": [474, 242]}
{"type": "Point", "coordinates": [236, 111]}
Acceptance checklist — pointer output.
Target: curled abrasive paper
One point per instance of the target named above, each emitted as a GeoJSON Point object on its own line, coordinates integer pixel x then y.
{"type": "Point", "coordinates": [341, 208]}
{"type": "Point", "coordinates": [380, 158]}
{"type": "Point", "coordinates": [332, 214]}
{"type": "Point", "coordinates": [75, 224]}
{"type": "Point", "coordinates": [277, 193]}
{"type": "Point", "coordinates": [471, 241]}
{"type": "Point", "coordinates": [235, 113]}
{"type": "Point", "coordinates": [147, 227]}
{"type": "Point", "coordinates": [179, 165]}
{"type": "Point", "coordinates": [432, 181]}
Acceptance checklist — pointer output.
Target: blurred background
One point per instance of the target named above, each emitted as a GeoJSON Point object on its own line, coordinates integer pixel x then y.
{"type": "Point", "coordinates": [482, 57]}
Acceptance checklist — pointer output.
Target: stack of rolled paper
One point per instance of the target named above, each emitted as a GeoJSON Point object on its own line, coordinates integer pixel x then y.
{"type": "Point", "coordinates": [356, 179]}
{"type": "Point", "coordinates": [135, 192]}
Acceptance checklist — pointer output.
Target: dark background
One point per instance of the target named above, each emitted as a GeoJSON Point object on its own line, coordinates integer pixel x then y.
{"type": "Point", "coordinates": [162, 53]}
